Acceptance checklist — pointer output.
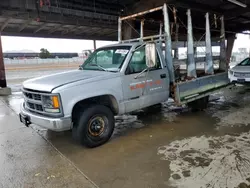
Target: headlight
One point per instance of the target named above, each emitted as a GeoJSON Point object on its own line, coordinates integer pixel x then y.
{"type": "Point", "coordinates": [51, 104]}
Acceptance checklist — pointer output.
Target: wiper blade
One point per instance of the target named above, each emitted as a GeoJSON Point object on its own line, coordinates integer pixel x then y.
{"type": "Point", "coordinates": [99, 66]}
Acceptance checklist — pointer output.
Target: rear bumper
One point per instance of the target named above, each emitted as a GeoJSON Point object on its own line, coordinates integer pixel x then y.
{"type": "Point", "coordinates": [55, 124]}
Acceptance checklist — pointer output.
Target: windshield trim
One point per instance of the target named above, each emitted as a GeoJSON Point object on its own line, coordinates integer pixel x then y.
{"type": "Point", "coordinates": [128, 47]}
{"type": "Point", "coordinates": [246, 59]}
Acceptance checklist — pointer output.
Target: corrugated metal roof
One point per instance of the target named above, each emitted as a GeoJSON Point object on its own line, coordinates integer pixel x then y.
{"type": "Point", "coordinates": [86, 19]}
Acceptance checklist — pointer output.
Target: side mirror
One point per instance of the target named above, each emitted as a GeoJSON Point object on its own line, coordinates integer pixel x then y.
{"type": "Point", "coordinates": [150, 51]}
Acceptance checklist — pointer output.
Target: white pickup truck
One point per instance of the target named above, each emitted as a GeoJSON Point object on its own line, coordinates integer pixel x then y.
{"type": "Point", "coordinates": [114, 80]}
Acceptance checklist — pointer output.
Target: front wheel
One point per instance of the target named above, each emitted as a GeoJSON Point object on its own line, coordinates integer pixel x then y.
{"type": "Point", "coordinates": [94, 126]}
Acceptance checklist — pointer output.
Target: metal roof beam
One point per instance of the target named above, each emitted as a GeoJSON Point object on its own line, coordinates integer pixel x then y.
{"type": "Point", "coordinates": [84, 30]}
{"type": "Point", "coordinates": [40, 28]}
{"type": "Point", "coordinates": [89, 5]}
{"type": "Point", "coordinates": [22, 27]}
{"type": "Point", "coordinates": [61, 19]}
{"type": "Point", "coordinates": [43, 34]}
{"type": "Point", "coordinates": [54, 29]}
{"type": "Point", "coordinates": [70, 30]}
{"type": "Point", "coordinates": [229, 15]}
{"type": "Point", "coordinates": [197, 6]}
{"type": "Point", "coordinates": [5, 24]}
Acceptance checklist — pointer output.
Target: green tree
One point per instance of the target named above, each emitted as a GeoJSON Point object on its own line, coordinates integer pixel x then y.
{"type": "Point", "coordinates": [44, 53]}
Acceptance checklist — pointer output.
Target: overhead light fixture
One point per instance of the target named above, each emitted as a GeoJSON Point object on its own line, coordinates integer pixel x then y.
{"type": "Point", "coordinates": [238, 3]}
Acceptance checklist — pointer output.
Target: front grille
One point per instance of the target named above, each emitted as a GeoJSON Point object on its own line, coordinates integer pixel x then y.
{"type": "Point", "coordinates": [33, 96]}
{"type": "Point", "coordinates": [37, 97]}
{"type": "Point", "coordinates": [33, 101]}
{"type": "Point", "coordinates": [37, 107]}
{"type": "Point", "coordinates": [242, 74]}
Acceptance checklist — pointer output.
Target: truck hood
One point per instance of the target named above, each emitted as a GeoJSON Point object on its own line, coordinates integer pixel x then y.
{"type": "Point", "coordinates": [50, 82]}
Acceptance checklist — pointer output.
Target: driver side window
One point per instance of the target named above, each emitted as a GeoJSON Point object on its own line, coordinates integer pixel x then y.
{"type": "Point", "coordinates": [138, 62]}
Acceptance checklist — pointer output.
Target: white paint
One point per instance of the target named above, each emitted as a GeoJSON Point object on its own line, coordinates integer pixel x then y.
{"type": "Point", "coordinates": [121, 51]}
{"type": "Point", "coordinates": [156, 88]}
{"type": "Point", "coordinates": [228, 161]}
{"type": "Point", "coordinates": [134, 83]}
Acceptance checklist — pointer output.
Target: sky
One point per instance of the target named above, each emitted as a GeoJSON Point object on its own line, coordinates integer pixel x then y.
{"type": "Point", "coordinates": [74, 45]}
{"type": "Point", "coordinates": [52, 45]}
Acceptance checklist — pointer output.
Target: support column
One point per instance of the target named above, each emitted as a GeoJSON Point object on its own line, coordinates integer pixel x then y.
{"type": "Point", "coordinates": [3, 84]}
{"type": "Point", "coordinates": [94, 41]}
{"type": "Point", "coordinates": [127, 32]}
{"type": "Point", "coordinates": [223, 61]}
{"type": "Point", "coordinates": [168, 44]}
{"type": "Point", "coordinates": [191, 67]}
{"type": "Point", "coordinates": [230, 45]}
{"type": "Point", "coordinates": [209, 68]}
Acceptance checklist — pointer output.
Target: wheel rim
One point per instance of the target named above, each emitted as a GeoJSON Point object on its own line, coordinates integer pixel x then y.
{"type": "Point", "coordinates": [97, 125]}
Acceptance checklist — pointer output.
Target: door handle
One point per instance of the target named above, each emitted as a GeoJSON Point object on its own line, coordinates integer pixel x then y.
{"type": "Point", "coordinates": [163, 76]}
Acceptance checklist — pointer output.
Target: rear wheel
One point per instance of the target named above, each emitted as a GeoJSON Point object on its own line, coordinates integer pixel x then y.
{"type": "Point", "coordinates": [94, 126]}
{"type": "Point", "coordinates": [199, 104]}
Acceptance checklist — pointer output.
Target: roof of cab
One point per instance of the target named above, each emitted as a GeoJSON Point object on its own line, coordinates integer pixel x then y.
{"type": "Point", "coordinates": [121, 44]}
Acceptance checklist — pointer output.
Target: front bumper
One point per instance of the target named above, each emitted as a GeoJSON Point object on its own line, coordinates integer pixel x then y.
{"type": "Point", "coordinates": [242, 80]}
{"type": "Point", "coordinates": [55, 124]}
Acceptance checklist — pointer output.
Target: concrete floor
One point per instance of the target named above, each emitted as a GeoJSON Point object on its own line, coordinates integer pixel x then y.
{"type": "Point", "coordinates": [171, 147]}
{"type": "Point", "coordinates": [28, 160]}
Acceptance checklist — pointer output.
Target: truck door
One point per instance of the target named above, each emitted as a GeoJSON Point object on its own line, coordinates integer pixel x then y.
{"type": "Point", "coordinates": [149, 88]}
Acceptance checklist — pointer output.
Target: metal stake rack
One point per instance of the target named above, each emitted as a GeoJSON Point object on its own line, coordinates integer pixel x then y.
{"type": "Point", "coordinates": [193, 86]}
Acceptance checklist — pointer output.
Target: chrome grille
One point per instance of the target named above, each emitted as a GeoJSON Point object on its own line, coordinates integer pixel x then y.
{"type": "Point", "coordinates": [37, 107]}
{"type": "Point", "coordinates": [33, 96]}
{"type": "Point", "coordinates": [242, 74]}
{"type": "Point", "coordinates": [33, 101]}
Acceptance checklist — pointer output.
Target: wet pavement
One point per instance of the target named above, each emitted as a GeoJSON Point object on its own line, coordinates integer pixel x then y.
{"type": "Point", "coordinates": [28, 160]}
{"type": "Point", "coordinates": [167, 147]}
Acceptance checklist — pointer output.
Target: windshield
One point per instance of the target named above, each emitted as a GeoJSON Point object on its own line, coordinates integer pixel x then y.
{"type": "Point", "coordinates": [106, 59]}
{"type": "Point", "coordinates": [245, 62]}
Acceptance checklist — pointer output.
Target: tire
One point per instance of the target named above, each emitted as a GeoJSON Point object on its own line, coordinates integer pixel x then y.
{"type": "Point", "coordinates": [94, 126]}
{"type": "Point", "coordinates": [199, 105]}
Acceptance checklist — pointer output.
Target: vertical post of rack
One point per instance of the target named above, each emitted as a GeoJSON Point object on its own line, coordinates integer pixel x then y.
{"type": "Point", "coordinates": [119, 30]}
{"type": "Point", "coordinates": [191, 66]}
{"type": "Point", "coordinates": [142, 26]}
{"type": "Point", "coordinates": [160, 38]}
{"type": "Point", "coordinates": [222, 64]}
{"type": "Point", "coordinates": [209, 68]}
{"type": "Point", "coordinates": [176, 50]}
{"type": "Point", "coordinates": [168, 44]}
